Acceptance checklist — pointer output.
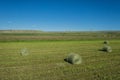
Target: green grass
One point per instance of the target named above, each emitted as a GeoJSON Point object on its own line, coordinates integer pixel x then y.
{"type": "Point", "coordinates": [46, 61]}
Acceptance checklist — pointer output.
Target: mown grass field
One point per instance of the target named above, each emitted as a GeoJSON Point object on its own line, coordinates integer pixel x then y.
{"type": "Point", "coordinates": [46, 60]}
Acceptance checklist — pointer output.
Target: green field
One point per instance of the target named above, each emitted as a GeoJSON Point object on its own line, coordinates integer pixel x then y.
{"type": "Point", "coordinates": [46, 60]}
{"type": "Point", "coordinates": [47, 51]}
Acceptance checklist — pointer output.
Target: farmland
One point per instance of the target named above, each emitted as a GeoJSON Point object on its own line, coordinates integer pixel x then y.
{"type": "Point", "coordinates": [53, 36]}
{"type": "Point", "coordinates": [47, 51]}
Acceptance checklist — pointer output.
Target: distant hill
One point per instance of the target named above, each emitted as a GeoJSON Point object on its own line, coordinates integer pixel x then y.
{"type": "Point", "coordinates": [20, 31]}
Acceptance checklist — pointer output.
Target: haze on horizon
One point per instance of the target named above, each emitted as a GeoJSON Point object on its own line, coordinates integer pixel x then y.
{"type": "Point", "coordinates": [60, 15]}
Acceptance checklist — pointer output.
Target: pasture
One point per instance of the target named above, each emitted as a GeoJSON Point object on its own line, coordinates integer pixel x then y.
{"type": "Point", "coordinates": [46, 60]}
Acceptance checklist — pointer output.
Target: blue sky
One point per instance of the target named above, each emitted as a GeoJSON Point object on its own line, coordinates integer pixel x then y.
{"type": "Point", "coordinates": [60, 15]}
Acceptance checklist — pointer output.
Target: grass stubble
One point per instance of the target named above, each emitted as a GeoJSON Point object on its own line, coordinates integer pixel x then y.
{"type": "Point", "coordinates": [46, 61]}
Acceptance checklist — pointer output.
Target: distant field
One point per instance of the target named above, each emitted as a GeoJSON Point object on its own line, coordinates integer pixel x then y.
{"type": "Point", "coordinates": [46, 61]}
{"type": "Point", "coordinates": [40, 35]}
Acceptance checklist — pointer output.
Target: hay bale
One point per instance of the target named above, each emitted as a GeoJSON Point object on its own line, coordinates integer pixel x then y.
{"type": "Point", "coordinates": [107, 49]}
{"type": "Point", "coordinates": [106, 42]}
{"type": "Point", "coordinates": [74, 59]}
{"type": "Point", "coordinates": [24, 52]}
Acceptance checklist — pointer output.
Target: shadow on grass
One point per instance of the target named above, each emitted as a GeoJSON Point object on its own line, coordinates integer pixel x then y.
{"type": "Point", "coordinates": [102, 50]}
{"type": "Point", "coordinates": [67, 61]}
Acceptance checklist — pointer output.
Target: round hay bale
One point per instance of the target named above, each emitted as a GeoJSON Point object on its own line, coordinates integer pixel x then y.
{"type": "Point", "coordinates": [24, 52]}
{"type": "Point", "coordinates": [74, 59]}
{"type": "Point", "coordinates": [106, 42]}
{"type": "Point", "coordinates": [107, 49]}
